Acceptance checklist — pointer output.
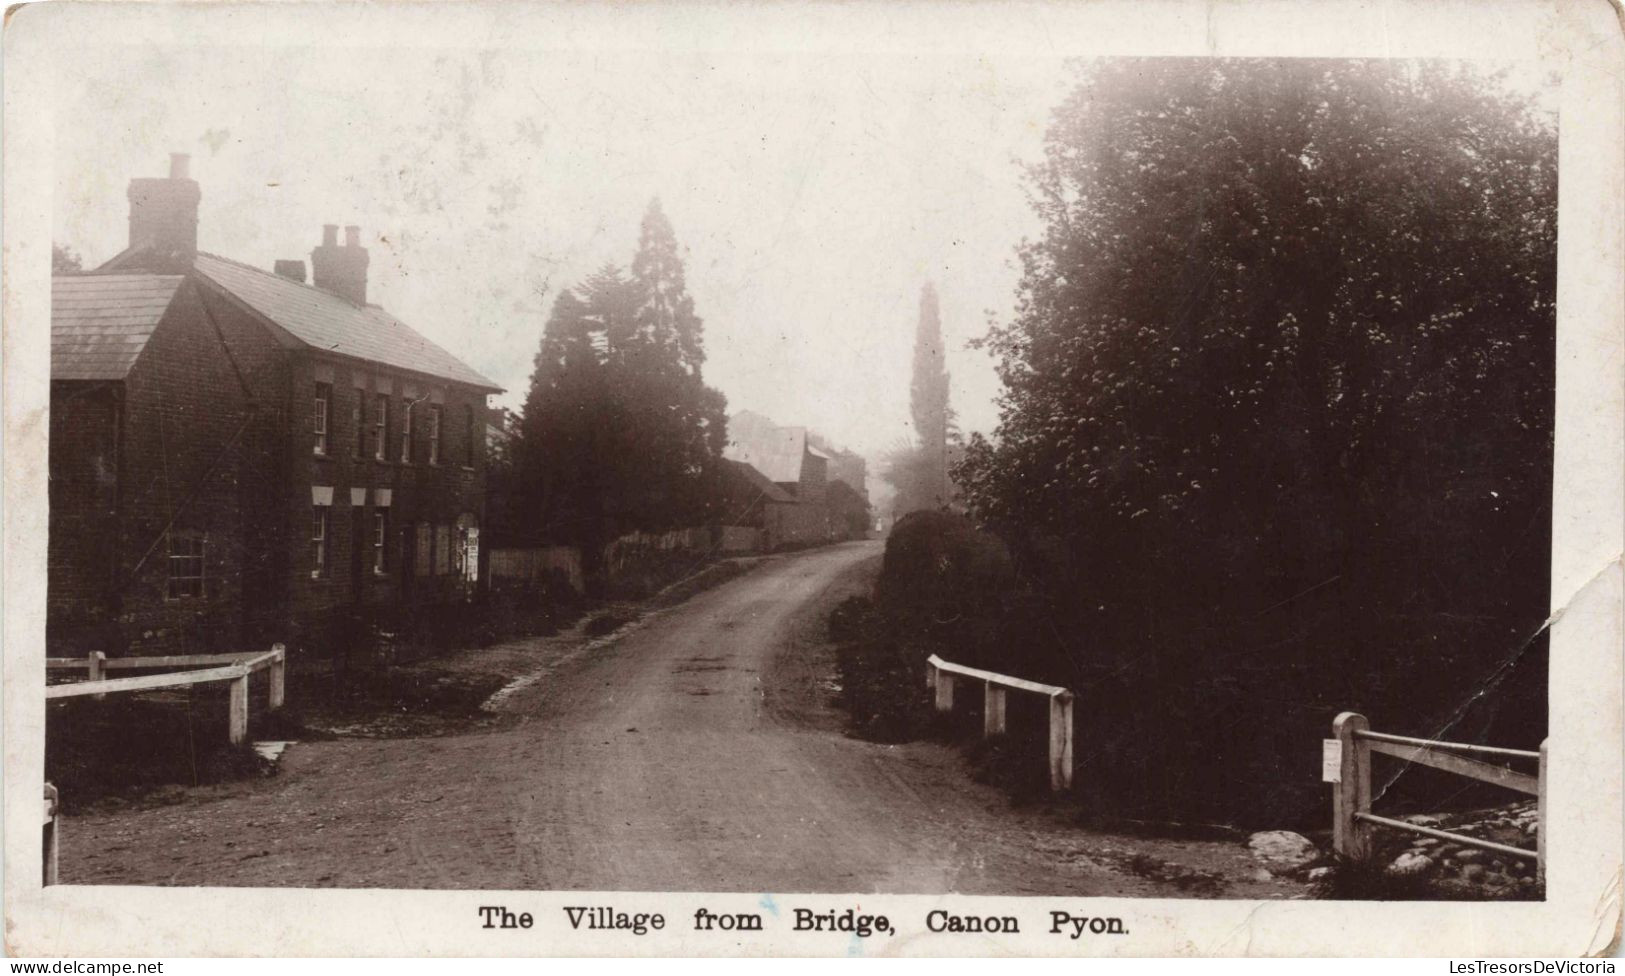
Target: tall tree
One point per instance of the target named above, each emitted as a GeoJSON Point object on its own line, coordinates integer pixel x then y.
{"type": "Point", "coordinates": [665, 316]}
{"type": "Point", "coordinates": [919, 470]}
{"type": "Point", "coordinates": [618, 432]}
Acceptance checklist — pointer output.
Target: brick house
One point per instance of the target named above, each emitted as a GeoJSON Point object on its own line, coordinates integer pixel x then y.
{"type": "Point", "coordinates": [237, 456]}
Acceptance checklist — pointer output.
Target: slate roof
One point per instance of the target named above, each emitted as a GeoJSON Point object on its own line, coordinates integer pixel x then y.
{"type": "Point", "coordinates": [759, 481]}
{"type": "Point", "coordinates": [100, 323]}
{"type": "Point", "coordinates": [326, 321]}
{"type": "Point", "coordinates": [775, 451]}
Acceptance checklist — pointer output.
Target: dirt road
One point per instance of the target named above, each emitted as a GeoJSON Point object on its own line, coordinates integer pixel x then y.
{"type": "Point", "coordinates": [696, 752]}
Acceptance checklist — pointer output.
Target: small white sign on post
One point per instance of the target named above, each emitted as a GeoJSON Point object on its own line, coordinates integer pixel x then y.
{"type": "Point", "coordinates": [1331, 761]}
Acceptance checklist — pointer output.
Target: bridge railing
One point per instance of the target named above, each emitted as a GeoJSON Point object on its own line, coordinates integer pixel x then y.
{"type": "Point", "coordinates": [234, 668]}
{"type": "Point", "coordinates": [941, 676]}
{"type": "Point", "coordinates": [1352, 819]}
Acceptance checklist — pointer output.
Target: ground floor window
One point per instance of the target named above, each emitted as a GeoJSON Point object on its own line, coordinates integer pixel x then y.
{"type": "Point", "coordinates": [380, 533]}
{"type": "Point", "coordinates": [442, 550]}
{"type": "Point", "coordinates": [421, 559]}
{"type": "Point", "coordinates": [185, 565]}
{"type": "Point", "coordinates": [318, 541]}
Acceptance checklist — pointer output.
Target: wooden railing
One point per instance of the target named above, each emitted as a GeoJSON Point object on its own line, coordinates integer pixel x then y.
{"type": "Point", "coordinates": [941, 676]}
{"type": "Point", "coordinates": [1352, 818]}
{"type": "Point", "coordinates": [234, 668]}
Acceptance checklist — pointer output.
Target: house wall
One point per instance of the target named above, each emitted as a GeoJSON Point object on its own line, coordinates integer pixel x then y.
{"type": "Point", "coordinates": [190, 440]}
{"type": "Point", "coordinates": [429, 506]}
{"type": "Point", "coordinates": [83, 513]}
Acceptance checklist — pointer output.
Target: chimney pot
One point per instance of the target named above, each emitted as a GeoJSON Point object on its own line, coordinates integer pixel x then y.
{"type": "Point", "coordinates": [330, 235]}
{"type": "Point", "coordinates": [352, 236]}
{"type": "Point", "coordinates": [179, 164]}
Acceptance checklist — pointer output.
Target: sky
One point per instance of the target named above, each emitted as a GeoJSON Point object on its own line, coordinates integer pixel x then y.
{"type": "Point", "coordinates": [813, 195]}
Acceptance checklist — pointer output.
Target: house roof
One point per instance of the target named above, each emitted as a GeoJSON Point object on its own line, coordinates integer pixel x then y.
{"type": "Point", "coordinates": [775, 451]}
{"type": "Point", "coordinates": [327, 322]}
{"type": "Point", "coordinates": [759, 481]}
{"type": "Point", "coordinates": [100, 323]}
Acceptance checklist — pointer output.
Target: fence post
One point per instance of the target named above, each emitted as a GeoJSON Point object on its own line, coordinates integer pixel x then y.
{"type": "Point", "coordinates": [992, 709]}
{"type": "Point", "coordinates": [945, 691]}
{"type": "Point", "coordinates": [239, 709]}
{"type": "Point", "coordinates": [1060, 741]}
{"type": "Point", "coordinates": [1351, 794]}
{"type": "Point", "coordinates": [52, 839]}
{"type": "Point", "coordinates": [279, 676]}
{"type": "Point", "coordinates": [1541, 820]}
{"type": "Point", "coordinates": [96, 669]}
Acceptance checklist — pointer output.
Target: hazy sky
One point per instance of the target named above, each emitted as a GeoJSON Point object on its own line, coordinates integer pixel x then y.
{"type": "Point", "coordinates": [813, 195]}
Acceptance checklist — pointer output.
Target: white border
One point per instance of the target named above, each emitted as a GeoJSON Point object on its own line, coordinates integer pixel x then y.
{"type": "Point", "coordinates": [1581, 38]}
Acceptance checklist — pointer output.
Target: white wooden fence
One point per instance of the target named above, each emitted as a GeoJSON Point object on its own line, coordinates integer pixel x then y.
{"type": "Point", "coordinates": [1352, 818]}
{"type": "Point", "coordinates": [234, 668]}
{"type": "Point", "coordinates": [941, 676]}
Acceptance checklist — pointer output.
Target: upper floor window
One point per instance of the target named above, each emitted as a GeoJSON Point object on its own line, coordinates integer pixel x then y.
{"type": "Point", "coordinates": [324, 408]}
{"type": "Point", "coordinates": [185, 565]}
{"type": "Point", "coordinates": [380, 426]}
{"type": "Point", "coordinates": [358, 421]}
{"type": "Point", "coordinates": [434, 432]}
{"type": "Point", "coordinates": [406, 433]}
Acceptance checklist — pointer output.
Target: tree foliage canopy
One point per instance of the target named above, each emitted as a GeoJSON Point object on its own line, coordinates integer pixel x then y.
{"type": "Point", "coordinates": [1279, 386]}
{"type": "Point", "coordinates": [619, 432]}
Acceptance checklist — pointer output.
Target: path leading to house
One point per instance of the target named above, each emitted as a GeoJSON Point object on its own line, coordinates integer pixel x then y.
{"type": "Point", "coordinates": [697, 752]}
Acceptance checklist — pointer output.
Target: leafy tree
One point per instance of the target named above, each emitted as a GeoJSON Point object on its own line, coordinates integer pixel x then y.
{"type": "Point", "coordinates": [1279, 390]}
{"type": "Point", "coordinates": [65, 260]}
{"type": "Point", "coordinates": [619, 433]}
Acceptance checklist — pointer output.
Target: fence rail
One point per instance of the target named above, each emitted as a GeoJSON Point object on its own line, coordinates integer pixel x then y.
{"type": "Point", "coordinates": [941, 676]}
{"type": "Point", "coordinates": [236, 669]}
{"type": "Point", "coordinates": [1352, 818]}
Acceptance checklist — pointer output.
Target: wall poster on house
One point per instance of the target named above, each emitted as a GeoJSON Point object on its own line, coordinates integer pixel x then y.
{"type": "Point", "coordinates": [945, 472]}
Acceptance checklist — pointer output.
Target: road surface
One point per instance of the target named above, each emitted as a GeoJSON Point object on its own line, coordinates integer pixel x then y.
{"type": "Point", "coordinates": [696, 752]}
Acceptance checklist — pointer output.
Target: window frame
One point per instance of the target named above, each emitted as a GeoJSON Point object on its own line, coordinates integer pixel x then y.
{"type": "Point", "coordinates": [380, 542]}
{"type": "Point", "coordinates": [406, 431]}
{"type": "Point", "coordinates": [380, 427]}
{"type": "Point", "coordinates": [321, 532]}
{"type": "Point", "coordinates": [436, 422]}
{"type": "Point", "coordinates": [322, 419]}
{"type": "Point", "coordinates": [358, 417]}
{"type": "Point", "coordinates": [200, 541]}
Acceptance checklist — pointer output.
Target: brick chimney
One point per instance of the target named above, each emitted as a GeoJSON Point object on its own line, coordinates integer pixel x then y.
{"type": "Point", "coordinates": [340, 270]}
{"type": "Point", "coordinates": [163, 216]}
{"type": "Point", "coordinates": [294, 270]}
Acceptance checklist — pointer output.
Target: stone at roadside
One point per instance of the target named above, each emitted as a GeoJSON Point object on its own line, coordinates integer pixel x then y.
{"type": "Point", "coordinates": [1319, 874]}
{"type": "Point", "coordinates": [1470, 856]}
{"type": "Point", "coordinates": [1262, 875]}
{"type": "Point", "coordinates": [1472, 872]}
{"type": "Point", "coordinates": [1282, 849]}
{"type": "Point", "coordinates": [1411, 864]}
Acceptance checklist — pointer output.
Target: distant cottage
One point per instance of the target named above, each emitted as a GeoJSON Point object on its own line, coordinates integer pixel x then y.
{"type": "Point", "coordinates": [783, 482]}
{"type": "Point", "coordinates": [236, 455]}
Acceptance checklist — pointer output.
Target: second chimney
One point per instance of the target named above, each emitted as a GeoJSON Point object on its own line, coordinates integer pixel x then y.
{"type": "Point", "coordinates": [340, 270]}
{"type": "Point", "coordinates": [163, 217]}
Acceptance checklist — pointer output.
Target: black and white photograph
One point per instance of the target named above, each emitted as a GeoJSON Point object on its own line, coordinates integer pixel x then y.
{"type": "Point", "coordinates": [779, 472]}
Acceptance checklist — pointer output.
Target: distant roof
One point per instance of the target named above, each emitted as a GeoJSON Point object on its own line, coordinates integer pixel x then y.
{"type": "Point", "coordinates": [759, 481]}
{"type": "Point", "coordinates": [325, 321]}
{"type": "Point", "coordinates": [100, 323]}
{"type": "Point", "coordinates": [775, 451]}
